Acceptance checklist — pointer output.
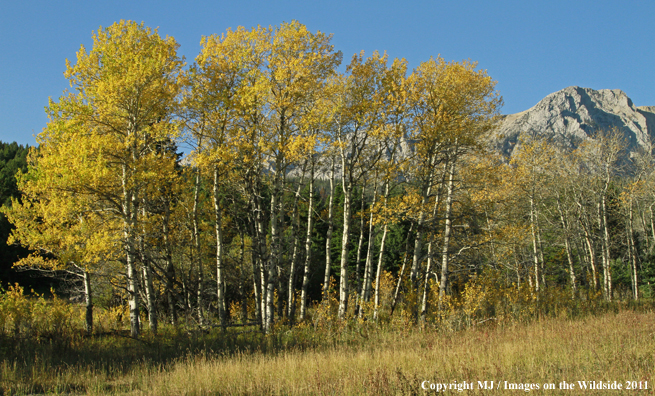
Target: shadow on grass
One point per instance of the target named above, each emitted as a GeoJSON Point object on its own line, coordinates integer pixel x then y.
{"type": "Point", "coordinates": [71, 362]}
{"type": "Point", "coordinates": [37, 365]}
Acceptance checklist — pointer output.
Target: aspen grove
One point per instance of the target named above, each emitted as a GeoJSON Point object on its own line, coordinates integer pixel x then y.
{"type": "Point", "coordinates": [369, 193]}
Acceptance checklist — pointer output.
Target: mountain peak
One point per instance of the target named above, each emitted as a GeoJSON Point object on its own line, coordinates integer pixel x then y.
{"type": "Point", "coordinates": [573, 114]}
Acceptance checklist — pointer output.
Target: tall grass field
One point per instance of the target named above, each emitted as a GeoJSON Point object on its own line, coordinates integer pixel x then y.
{"type": "Point", "coordinates": [613, 348]}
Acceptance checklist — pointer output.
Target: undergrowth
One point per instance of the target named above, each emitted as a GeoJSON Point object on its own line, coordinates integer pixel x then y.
{"type": "Point", "coordinates": [45, 348]}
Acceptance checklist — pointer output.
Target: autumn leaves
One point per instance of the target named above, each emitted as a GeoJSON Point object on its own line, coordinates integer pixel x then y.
{"type": "Point", "coordinates": [266, 111]}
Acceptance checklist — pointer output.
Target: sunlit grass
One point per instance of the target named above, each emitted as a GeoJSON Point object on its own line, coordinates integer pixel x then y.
{"type": "Point", "coordinates": [359, 359]}
{"type": "Point", "coordinates": [615, 347]}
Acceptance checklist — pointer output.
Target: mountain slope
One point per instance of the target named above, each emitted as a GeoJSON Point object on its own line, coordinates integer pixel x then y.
{"type": "Point", "coordinates": [573, 114]}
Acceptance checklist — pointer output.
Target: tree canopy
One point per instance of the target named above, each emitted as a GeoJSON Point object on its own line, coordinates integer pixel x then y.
{"type": "Point", "coordinates": [286, 153]}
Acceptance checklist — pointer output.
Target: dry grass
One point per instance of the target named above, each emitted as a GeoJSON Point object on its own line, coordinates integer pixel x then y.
{"type": "Point", "coordinates": [612, 346]}
{"type": "Point", "coordinates": [615, 347]}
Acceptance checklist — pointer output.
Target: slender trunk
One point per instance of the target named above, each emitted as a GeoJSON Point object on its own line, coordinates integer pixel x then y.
{"type": "Point", "coordinates": [281, 311]}
{"type": "Point", "coordinates": [150, 297]}
{"type": "Point", "coordinates": [542, 262]}
{"type": "Point", "coordinates": [242, 283]}
{"type": "Point", "coordinates": [606, 252]}
{"type": "Point", "coordinates": [580, 248]}
{"type": "Point", "coordinates": [170, 268]}
{"type": "Point", "coordinates": [256, 288]}
{"type": "Point", "coordinates": [345, 237]}
{"type": "Point", "coordinates": [530, 283]}
{"type": "Point", "coordinates": [366, 283]}
{"type": "Point", "coordinates": [518, 273]}
{"type": "Point", "coordinates": [259, 247]}
{"type": "Point", "coordinates": [426, 284]}
{"type": "Point", "coordinates": [274, 253]}
{"type": "Point", "coordinates": [428, 270]}
{"type": "Point", "coordinates": [567, 244]}
{"type": "Point", "coordinates": [89, 302]}
{"type": "Point", "coordinates": [642, 217]}
{"type": "Point", "coordinates": [633, 254]}
{"type": "Point", "coordinates": [491, 239]}
{"type": "Point", "coordinates": [359, 285]}
{"type": "Point", "coordinates": [535, 253]}
{"type": "Point", "coordinates": [652, 224]}
{"type": "Point", "coordinates": [448, 228]}
{"type": "Point", "coordinates": [592, 255]}
{"type": "Point", "coordinates": [604, 259]}
{"type": "Point", "coordinates": [220, 281]}
{"type": "Point", "coordinates": [254, 261]}
{"type": "Point", "coordinates": [291, 303]}
{"type": "Point", "coordinates": [368, 270]}
{"type": "Point", "coordinates": [263, 283]}
{"type": "Point", "coordinates": [308, 246]}
{"type": "Point", "coordinates": [396, 292]}
{"type": "Point", "coordinates": [185, 299]}
{"type": "Point", "coordinates": [418, 247]}
{"type": "Point", "coordinates": [588, 242]}
{"type": "Point", "coordinates": [147, 276]}
{"type": "Point", "coordinates": [378, 272]}
{"type": "Point", "coordinates": [418, 241]}
{"type": "Point", "coordinates": [129, 222]}
{"type": "Point", "coordinates": [197, 252]}
{"type": "Point", "coordinates": [328, 237]}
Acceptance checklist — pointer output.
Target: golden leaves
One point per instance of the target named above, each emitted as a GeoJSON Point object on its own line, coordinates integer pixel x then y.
{"type": "Point", "coordinates": [128, 79]}
{"type": "Point", "coordinates": [452, 100]}
{"type": "Point", "coordinates": [110, 139]}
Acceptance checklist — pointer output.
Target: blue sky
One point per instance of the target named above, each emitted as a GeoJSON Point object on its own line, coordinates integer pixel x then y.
{"type": "Point", "coordinates": [531, 48]}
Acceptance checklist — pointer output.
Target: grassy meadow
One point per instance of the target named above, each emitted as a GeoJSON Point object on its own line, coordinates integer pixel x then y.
{"type": "Point", "coordinates": [617, 343]}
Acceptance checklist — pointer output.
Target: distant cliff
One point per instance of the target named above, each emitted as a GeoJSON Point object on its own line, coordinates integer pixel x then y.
{"type": "Point", "coordinates": [573, 114]}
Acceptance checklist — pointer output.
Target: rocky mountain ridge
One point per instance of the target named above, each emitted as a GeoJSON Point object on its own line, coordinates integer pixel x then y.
{"type": "Point", "coordinates": [573, 114]}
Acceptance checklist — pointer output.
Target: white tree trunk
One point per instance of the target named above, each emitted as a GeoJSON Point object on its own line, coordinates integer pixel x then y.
{"type": "Point", "coordinates": [308, 246]}
{"type": "Point", "coordinates": [220, 281]}
{"type": "Point", "coordinates": [345, 237]}
{"type": "Point", "coordinates": [88, 297]}
{"type": "Point", "coordinates": [197, 252]}
{"type": "Point", "coordinates": [328, 237]}
{"type": "Point", "coordinates": [447, 228]}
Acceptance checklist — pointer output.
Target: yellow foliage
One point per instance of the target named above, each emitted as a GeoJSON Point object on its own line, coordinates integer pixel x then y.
{"type": "Point", "coordinates": [37, 317]}
{"type": "Point", "coordinates": [110, 319]}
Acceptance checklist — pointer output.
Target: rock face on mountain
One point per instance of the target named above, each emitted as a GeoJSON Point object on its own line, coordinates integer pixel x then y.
{"type": "Point", "coordinates": [573, 114]}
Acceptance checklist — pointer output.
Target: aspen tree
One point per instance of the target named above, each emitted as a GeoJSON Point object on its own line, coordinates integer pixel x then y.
{"type": "Point", "coordinates": [330, 230]}
{"type": "Point", "coordinates": [452, 106]}
{"type": "Point", "coordinates": [562, 186]}
{"type": "Point", "coordinates": [634, 199]}
{"type": "Point", "coordinates": [125, 90]}
{"type": "Point", "coordinates": [298, 64]}
{"type": "Point", "coordinates": [295, 256]}
{"type": "Point", "coordinates": [308, 241]}
{"type": "Point", "coordinates": [364, 283]}
{"type": "Point", "coordinates": [362, 227]}
{"type": "Point", "coordinates": [627, 199]}
{"type": "Point", "coordinates": [357, 122]}
{"type": "Point", "coordinates": [394, 104]}
{"type": "Point", "coordinates": [314, 123]}
{"type": "Point", "coordinates": [169, 269]}
{"type": "Point", "coordinates": [582, 200]}
{"type": "Point", "coordinates": [216, 89]}
{"type": "Point", "coordinates": [52, 220]}
{"type": "Point", "coordinates": [532, 168]}
{"type": "Point", "coordinates": [266, 80]}
{"type": "Point", "coordinates": [600, 158]}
